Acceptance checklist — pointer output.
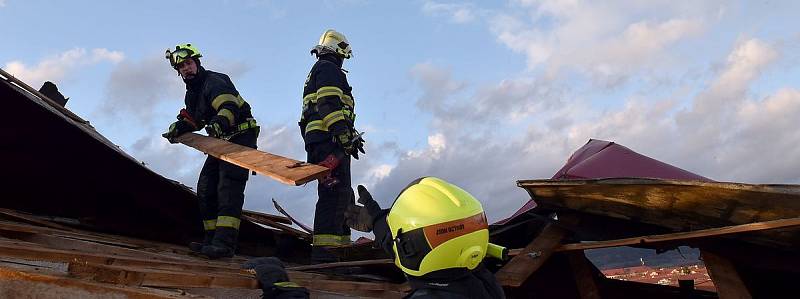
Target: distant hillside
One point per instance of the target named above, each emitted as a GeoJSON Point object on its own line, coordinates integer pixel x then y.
{"type": "Point", "coordinates": [610, 258]}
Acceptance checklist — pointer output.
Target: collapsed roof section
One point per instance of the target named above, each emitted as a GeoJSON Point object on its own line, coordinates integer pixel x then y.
{"type": "Point", "coordinates": [57, 164]}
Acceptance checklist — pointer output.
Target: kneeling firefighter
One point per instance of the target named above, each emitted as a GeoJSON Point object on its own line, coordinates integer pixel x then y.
{"type": "Point", "coordinates": [437, 234]}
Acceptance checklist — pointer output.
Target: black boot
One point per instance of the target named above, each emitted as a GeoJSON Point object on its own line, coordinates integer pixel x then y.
{"type": "Point", "coordinates": [321, 255]}
{"type": "Point", "coordinates": [223, 244]}
{"type": "Point", "coordinates": [197, 246]}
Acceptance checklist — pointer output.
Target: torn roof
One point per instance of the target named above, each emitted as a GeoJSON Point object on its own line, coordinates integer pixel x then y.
{"type": "Point", "coordinates": [57, 164]}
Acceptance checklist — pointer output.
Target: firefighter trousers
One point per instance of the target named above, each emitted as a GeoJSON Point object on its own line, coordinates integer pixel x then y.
{"type": "Point", "coordinates": [330, 228]}
{"type": "Point", "coordinates": [220, 188]}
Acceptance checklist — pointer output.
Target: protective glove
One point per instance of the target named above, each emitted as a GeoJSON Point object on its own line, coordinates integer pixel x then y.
{"type": "Point", "coordinates": [176, 129]}
{"type": "Point", "coordinates": [358, 146]}
{"type": "Point", "coordinates": [361, 218]}
{"type": "Point", "coordinates": [351, 143]}
{"type": "Point", "coordinates": [217, 126]}
{"type": "Point", "coordinates": [344, 141]}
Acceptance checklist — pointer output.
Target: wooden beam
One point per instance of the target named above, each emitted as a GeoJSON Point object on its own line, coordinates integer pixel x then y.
{"type": "Point", "coordinates": [726, 279]}
{"type": "Point", "coordinates": [10, 78]}
{"type": "Point", "coordinates": [282, 169]}
{"type": "Point", "coordinates": [282, 211]}
{"type": "Point", "coordinates": [16, 283]}
{"type": "Point", "coordinates": [533, 256]}
{"type": "Point", "coordinates": [584, 276]}
{"type": "Point", "coordinates": [23, 250]}
{"type": "Point", "coordinates": [287, 229]}
{"type": "Point", "coordinates": [703, 233]}
{"type": "Point", "coordinates": [343, 264]}
{"type": "Point", "coordinates": [25, 217]}
{"type": "Point", "coordinates": [136, 276]}
{"type": "Point", "coordinates": [677, 205]}
{"type": "Point", "coordinates": [274, 218]}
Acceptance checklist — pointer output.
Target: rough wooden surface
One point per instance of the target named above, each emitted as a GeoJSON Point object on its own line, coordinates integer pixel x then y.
{"type": "Point", "coordinates": [16, 283]}
{"type": "Point", "coordinates": [726, 278]}
{"type": "Point", "coordinates": [711, 232]}
{"type": "Point", "coordinates": [677, 205]}
{"type": "Point", "coordinates": [533, 256]}
{"type": "Point", "coordinates": [274, 166]}
{"type": "Point", "coordinates": [585, 278]}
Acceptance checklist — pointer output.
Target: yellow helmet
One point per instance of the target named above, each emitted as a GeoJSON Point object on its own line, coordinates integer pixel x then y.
{"type": "Point", "coordinates": [333, 41]}
{"type": "Point", "coordinates": [181, 53]}
{"type": "Point", "coordinates": [436, 225]}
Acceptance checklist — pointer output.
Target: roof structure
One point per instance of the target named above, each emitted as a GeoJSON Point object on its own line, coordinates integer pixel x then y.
{"type": "Point", "coordinates": [79, 218]}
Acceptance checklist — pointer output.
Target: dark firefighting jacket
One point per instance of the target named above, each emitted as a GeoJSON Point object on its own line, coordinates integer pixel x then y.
{"type": "Point", "coordinates": [327, 102]}
{"type": "Point", "coordinates": [213, 94]}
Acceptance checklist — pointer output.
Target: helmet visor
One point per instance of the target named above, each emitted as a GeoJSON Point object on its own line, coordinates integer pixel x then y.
{"type": "Point", "coordinates": [178, 56]}
{"type": "Point", "coordinates": [414, 245]}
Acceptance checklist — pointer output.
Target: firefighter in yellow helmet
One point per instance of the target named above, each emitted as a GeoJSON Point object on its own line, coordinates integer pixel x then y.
{"type": "Point", "coordinates": [212, 102]}
{"type": "Point", "coordinates": [327, 127]}
{"type": "Point", "coordinates": [438, 235]}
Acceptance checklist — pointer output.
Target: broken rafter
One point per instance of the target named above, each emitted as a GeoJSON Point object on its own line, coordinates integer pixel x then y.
{"type": "Point", "coordinates": [282, 211]}
{"type": "Point", "coordinates": [10, 78]}
{"type": "Point", "coordinates": [532, 257]}
{"type": "Point", "coordinates": [284, 228]}
{"type": "Point", "coordinates": [343, 264]}
{"type": "Point", "coordinates": [275, 218]}
{"type": "Point", "coordinates": [725, 277]}
{"type": "Point", "coordinates": [282, 169]}
{"type": "Point", "coordinates": [711, 232]}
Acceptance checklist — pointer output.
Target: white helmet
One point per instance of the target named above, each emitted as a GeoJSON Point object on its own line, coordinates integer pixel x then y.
{"type": "Point", "coordinates": [333, 42]}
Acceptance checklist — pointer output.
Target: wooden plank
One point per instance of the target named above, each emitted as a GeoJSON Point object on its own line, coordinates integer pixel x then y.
{"type": "Point", "coordinates": [274, 166]}
{"type": "Point", "coordinates": [282, 211]}
{"type": "Point", "coordinates": [343, 264]}
{"type": "Point", "coordinates": [16, 215]}
{"type": "Point", "coordinates": [676, 205]}
{"type": "Point", "coordinates": [135, 276]}
{"type": "Point", "coordinates": [275, 218]}
{"type": "Point", "coordinates": [532, 257]}
{"type": "Point", "coordinates": [16, 283]}
{"type": "Point", "coordinates": [711, 232]}
{"type": "Point", "coordinates": [726, 279]}
{"type": "Point", "coordinates": [24, 250]}
{"type": "Point", "coordinates": [584, 276]}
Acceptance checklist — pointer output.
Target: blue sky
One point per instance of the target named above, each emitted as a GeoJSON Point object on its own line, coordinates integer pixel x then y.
{"type": "Point", "coordinates": [479, 93]}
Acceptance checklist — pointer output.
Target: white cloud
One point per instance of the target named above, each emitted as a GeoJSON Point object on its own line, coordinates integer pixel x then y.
{"type": "Point", "coordinates": [608, 41]}
{"type": "Point", "coordinates": [457, 13]}
{"type": "Point", "coordinates": [136, 88]}
{"type": "Point", "coordinates": [2, 3]}
{"type": "Point", "coordinates": [55, 68]}
{"type": "Point", "coordinates": [725, 132]}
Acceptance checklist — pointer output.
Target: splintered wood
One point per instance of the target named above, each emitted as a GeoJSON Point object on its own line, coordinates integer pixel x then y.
{"type": "Point", "coordinates": [83, 264]}
{"type": "Point", "coordinates": [282, 169]}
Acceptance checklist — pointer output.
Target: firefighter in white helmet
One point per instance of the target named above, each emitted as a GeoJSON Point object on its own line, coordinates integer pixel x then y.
{"type": "Point", "coordinates": [327, 126]}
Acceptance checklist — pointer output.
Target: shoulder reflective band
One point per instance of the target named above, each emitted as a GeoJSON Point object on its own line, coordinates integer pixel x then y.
{"type": "Point", "coordinates": [326, 91]}
{"type": "Point", "coordinates": [331, 240]}
{"type": "Point", "coordinates": [224, 98]}
{"type": "Point", "coordinates": [437, 234]}
{"type": "Point", "coordinates": [210, 224]}
{"type": "Point", "coordinates": [228, 221]}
